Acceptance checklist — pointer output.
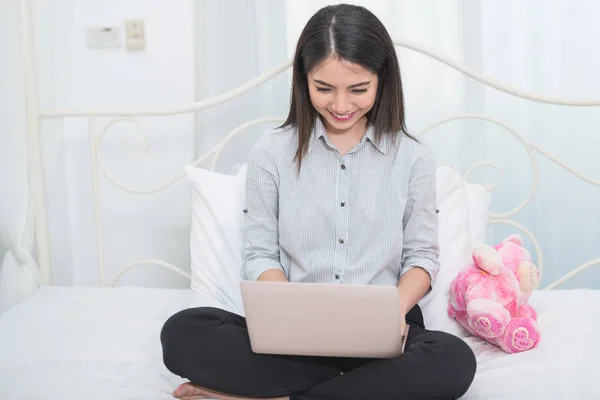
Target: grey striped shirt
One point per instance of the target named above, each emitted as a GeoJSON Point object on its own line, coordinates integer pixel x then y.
{"type": "Point", "coordinates": [363, 218]}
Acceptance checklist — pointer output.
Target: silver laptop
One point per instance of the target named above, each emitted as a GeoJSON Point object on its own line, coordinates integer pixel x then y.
{"type": "Point", "coordinates": [323, 319]}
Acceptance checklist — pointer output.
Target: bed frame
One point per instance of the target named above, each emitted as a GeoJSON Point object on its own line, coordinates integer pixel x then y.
{"type": "Point", "coordinates": [96, 134]}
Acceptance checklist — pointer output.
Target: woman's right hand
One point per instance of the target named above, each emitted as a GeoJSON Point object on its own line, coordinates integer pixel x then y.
{"type": "Point", "coordinates": [273, 275]}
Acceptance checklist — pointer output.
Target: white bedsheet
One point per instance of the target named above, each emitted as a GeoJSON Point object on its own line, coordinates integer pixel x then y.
{"type": "Point", "coordinates": [91, 343]}
{"type": "Point", "coordinates": [88, 343]}
{"type": "Point", "coordinates": [566, 363]}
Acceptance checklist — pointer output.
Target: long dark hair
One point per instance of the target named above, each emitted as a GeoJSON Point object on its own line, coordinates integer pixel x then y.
{"type": "Point", "coordinates": [353, 34]}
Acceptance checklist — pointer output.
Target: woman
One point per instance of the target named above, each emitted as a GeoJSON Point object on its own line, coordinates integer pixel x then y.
{"type": "Point", "coordinates": [339, 194]}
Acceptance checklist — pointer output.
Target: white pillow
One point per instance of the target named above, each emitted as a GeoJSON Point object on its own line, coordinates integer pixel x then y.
{"type": "Point", "coordinates": [480, 200]}
{"type": "Point", "coordinates": [454, 234]}
{"type": "Point", "coordinates": [217, 238]}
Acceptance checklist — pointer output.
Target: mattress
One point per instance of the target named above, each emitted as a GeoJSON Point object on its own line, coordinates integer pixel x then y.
{"type": "Point", "coordinates": [103, 343]}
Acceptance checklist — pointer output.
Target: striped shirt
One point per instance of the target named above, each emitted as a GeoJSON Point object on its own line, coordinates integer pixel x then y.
{"type": "Point", "coordinates": [365, 217]}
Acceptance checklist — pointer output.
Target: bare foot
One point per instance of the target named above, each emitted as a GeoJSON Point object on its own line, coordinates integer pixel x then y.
{"type": "Point", "coordinates": [189, 391]}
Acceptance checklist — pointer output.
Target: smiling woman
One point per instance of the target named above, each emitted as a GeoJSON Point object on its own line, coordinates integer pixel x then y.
{"type": "Point", "coordinates": [373, 223]}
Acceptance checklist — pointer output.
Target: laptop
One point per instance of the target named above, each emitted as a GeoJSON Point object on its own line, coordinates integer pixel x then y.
{"type": "Point", "coordinates": [323, 319]}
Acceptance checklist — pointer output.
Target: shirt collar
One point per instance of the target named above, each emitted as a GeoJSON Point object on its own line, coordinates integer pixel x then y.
{"type": "Point", "coordinates": [318, 131]}
{"type": "Point", "coordinates": [381, 144]}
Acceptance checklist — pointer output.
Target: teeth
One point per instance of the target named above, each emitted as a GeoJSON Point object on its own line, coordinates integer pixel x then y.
{"type": "Point", "coordinates": [345, 116]}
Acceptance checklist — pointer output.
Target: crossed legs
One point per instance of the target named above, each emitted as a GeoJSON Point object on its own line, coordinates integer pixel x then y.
{"type": "Point", "coordinates": [211, 348]}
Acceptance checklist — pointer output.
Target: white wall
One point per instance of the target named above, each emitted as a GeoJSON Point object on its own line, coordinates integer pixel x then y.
{"type": "Point", "coordinates": [74, 76]}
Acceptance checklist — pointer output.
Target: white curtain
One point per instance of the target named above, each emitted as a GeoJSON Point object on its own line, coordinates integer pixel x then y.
{"type": "Point", "coordinates": [18, 271]}
{"type": "Point", "coordinates": [235, 42]}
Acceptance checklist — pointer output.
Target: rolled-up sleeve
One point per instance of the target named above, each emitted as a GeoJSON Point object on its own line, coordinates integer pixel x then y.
{"type": "Point", "coordinates": [420, 223]}
{"type": "Point", "coordinates": [261, 249]}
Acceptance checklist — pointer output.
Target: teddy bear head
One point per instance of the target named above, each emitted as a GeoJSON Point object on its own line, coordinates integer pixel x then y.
{"type": "Point", "coordinates": [512, 255]}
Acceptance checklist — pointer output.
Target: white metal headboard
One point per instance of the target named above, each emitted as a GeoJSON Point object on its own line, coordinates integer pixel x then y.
{"type": "Point", "coordinates": [35, 115]}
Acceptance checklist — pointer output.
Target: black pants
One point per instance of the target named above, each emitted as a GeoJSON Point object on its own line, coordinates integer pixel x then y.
{"type": "Point", "coordinates": [211, 348]}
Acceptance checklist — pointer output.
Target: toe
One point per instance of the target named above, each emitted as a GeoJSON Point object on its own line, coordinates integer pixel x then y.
{"type": "Point", "coordinates": [184, 390]}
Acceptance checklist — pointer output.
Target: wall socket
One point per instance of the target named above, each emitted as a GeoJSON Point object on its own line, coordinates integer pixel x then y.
{"type": "Point", "coordinates": [135, 35]}
{"type": "Point", "coordinates": [103, 37]}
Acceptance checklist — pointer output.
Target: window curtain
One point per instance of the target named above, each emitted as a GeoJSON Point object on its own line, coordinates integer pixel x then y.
{"type": "Point", "coordinates": [19, 275]}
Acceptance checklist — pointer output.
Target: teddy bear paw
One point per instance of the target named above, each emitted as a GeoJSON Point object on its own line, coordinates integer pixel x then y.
{"type": "Point", "coordinates": [487, 318]}
{"type": "Point", "coordinates": [521, 335]}
{"type": "Point", "coordinates": [486, 326]}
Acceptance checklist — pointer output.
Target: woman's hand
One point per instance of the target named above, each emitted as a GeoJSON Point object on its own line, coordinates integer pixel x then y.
{"type": "Point", "coordinates": [412, 286]}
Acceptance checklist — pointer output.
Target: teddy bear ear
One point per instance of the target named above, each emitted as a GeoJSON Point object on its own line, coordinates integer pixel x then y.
{"type": "Point", "coordinates": [488, 259]}
{"type": "Point", "coordinates": [515, 239]}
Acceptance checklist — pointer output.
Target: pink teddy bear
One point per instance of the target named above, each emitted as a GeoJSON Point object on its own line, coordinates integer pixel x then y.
{"type": "Point", "coordinates": [489, 296]}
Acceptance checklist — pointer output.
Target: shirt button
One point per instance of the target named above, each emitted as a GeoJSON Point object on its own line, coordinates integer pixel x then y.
{"type": "Point", "coordinates": [337, 276]}
{"type": "Point", "coordinates": [343, 166]}
{"type": "Point", "coordinates": [342, 204]}
{"type": "Point", "coordinates": [341, 241]}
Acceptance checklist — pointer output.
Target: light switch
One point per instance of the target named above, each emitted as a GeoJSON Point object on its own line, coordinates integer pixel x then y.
{"type": "Point", "coordinates": [135, 36]}
{"type": "Point", "coordinates": [103, 37]}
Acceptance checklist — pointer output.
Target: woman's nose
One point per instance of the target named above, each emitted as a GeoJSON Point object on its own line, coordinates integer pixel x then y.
{"type": "Point", "coordinates": [340, 105]}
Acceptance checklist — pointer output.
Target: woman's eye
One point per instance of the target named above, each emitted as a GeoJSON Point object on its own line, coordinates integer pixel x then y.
{"type": "Point", "coordinates": [357, 91]}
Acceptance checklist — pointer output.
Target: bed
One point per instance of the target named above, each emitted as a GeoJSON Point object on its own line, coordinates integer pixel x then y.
{"type": "Point", "coordinates": [103, 342]}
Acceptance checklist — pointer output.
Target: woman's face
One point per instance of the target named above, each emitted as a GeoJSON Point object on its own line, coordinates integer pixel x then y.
{"type": "Point", "coordinates": [342, 92]}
